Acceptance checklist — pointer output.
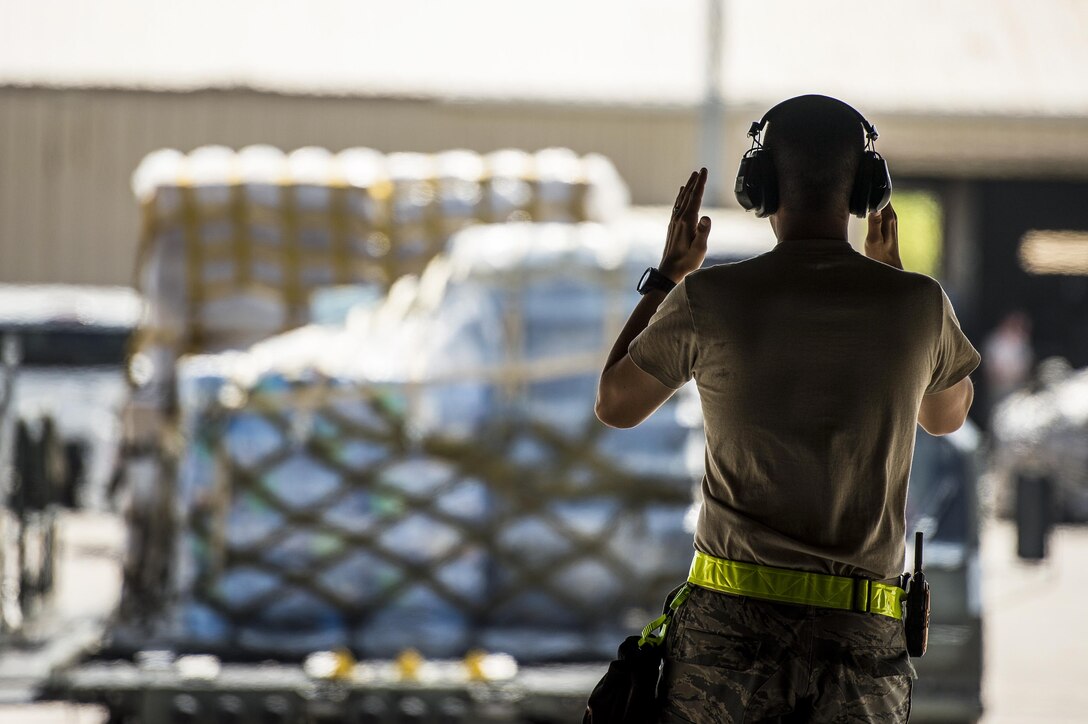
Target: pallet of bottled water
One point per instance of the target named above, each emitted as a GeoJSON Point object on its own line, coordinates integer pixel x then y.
{"type": "Point", "coordinates": [430, 474]}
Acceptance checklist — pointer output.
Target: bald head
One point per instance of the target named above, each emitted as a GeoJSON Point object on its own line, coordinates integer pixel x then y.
{"type": "Point", "coordinates": [815, 144]}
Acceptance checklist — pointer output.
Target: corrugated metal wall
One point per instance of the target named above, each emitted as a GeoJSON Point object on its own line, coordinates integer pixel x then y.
{"type": "Point", "coordinates": [67, 213]}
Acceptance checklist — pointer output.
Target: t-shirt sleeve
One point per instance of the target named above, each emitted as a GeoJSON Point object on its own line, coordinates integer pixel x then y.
{"type": "Point", "coordinates": [666, 349]}
{"type": "Point", "coordinates": [956, 357]}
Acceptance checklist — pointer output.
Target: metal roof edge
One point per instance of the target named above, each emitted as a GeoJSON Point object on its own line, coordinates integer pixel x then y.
{"type": "Point", "coordinates": [332, 93]}
{"type": "Point", "coordinates": [734, 111]}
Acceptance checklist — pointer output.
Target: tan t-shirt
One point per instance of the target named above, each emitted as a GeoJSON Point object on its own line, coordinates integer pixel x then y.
{"type": "Point", "coordinates": [811, 361]}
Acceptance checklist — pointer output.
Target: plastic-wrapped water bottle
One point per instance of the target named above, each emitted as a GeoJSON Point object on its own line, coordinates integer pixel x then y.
{"type": "Point", "coordinates": [241, 586]}
{"type": "Point", "coordinates": [562, 317]}
{"type": "Point", "coordinates": [300, 482]}
{"type": "Point", "coordinates": [657, 448]}
{"type": "Point", "coordinates": [303, 550]}
{"type": "Point", "coordinates": [565, 403]}
{"type": "Point", "coordinates": [250, 438]}
{"type": "Point", "coordinates": [663, 545]}
{"type": "Point", "coordinates": [202, 624]}
{"type": "Point", "coordinates": [298, 610]}
{"type": "Point", "coordinates": [455, 410]}
{"type": "Point", "coordinates": [250, 520]}
{"type": "Point", "coordinates": [532, 644]}
{"type": "Point", "coordinates": [420, 619]}
{"type": "Point", "coordinates": [362, 578]}
{"type": "Point", "coordinates": [559, 186]}
{"type": "Point", "coordinates": [458, 176]}
{"type": "Point", "coordinates": [509, 195]}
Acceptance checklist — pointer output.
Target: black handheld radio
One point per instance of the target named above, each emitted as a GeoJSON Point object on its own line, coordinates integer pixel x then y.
{"type": "Point", "coordinates": [917, 614]}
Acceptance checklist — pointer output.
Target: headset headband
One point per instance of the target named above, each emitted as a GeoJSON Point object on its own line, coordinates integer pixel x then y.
{"type": "Point", "coordinates": [758, 126]}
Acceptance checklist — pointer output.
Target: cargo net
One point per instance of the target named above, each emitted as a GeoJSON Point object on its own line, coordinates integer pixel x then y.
{"type": "Point", "coordinates": [335, 525]}
{"type": "Point", "coordinates": [483, 507]}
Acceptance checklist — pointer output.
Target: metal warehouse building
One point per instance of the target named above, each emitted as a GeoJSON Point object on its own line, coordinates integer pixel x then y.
{"type": "Point", "coordinates": [983, 104]}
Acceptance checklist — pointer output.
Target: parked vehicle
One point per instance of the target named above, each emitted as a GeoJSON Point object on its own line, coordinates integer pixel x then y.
{"type": "Point", "coordinates": [1039, 450]}
{"type": "Point", "coordinates": [63, 378]}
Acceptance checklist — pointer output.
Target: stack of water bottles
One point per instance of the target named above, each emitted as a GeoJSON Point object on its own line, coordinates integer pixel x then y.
{"type": "Point", "coordinates": [234, 242]}
{"type": "Point", "coordinates": [238, 246]}
{"type": "Point", "coordinates": [430, 475]}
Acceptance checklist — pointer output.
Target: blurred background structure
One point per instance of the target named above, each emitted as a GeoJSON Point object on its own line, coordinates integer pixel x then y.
{"type": "Point", "coordinates": [981, 105]}
{"type": "Point", "coordinates": [982, 109]}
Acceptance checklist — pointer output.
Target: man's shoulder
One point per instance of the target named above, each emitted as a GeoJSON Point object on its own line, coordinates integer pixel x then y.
{"type": "Point", "coordinates": [710, 278]}
{"type": "Point", "coordinates": [901, 280]}
{"type": "Point", "coordinates": [709, 282]}
{"type": "Point", "coordinates": [727, 269]}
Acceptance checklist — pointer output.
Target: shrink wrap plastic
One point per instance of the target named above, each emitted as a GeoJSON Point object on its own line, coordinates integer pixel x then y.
{"type": "Point", "coordinates": [235, 243]}
{"type": "Point", "coordinates": [431, 474]}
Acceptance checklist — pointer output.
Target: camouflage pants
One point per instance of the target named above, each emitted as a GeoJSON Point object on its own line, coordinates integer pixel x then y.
{"type": "Point", "coordinates": [730, 659]}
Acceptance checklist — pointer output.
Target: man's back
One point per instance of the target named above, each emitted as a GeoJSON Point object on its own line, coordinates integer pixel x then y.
{"type": "Point", "coordinates": [811, 361]}
{"type": "Point", "coordinates": [813, 364]}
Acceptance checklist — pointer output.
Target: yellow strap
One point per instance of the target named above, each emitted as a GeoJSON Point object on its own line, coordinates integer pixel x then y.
{"type": "Point", "coordinates": [194, 267]}
{"type": "Point", "coordinates": [241, 243]}
{"type": "Point", "coordinates": [340, 225]}
{"type": "Point", "coordinates": [661, 623]}
{"type": "Point", "coordinates": [294, 293]}
{"type": "Point", "coordinates": [786, 586]}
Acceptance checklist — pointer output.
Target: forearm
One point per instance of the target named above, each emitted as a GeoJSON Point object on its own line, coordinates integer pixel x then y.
{"type": "Point", "coordinates": [637, 322]}
{"type": "Point", "coordinates": [626, 394]}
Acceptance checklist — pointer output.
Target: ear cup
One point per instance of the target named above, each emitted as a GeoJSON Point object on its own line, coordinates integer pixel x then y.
{"type": "Point", "coordinates": [872, 185]}
{"type": "Point", "coordinates": [756, 187]}
{"type": "Point", "coordinates": [748, 196]}
{"type": "Point", "coordinates": [880, 190]}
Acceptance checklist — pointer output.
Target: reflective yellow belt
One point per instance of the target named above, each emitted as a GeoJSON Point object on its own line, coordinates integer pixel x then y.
{"type": "Point", "coordinates": [786, 586]}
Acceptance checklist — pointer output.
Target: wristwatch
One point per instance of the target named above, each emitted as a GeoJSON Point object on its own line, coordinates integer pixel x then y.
{"type": "Point", "coordinates": [653, 279]}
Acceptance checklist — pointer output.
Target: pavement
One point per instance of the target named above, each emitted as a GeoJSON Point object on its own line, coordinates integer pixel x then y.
{"type": "Point", "coordinates": [1035, 633]}
{"type": "Point", "coordinates": [88, 585]}
{"type": "Point", "coordinates": [1036, 638]}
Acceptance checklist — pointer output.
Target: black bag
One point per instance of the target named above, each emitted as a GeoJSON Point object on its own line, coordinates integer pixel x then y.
{"type": "Point", "coordinates": [627, 693]}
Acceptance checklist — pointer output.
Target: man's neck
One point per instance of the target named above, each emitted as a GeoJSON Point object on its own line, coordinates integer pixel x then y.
{"type": "Point", "coordinates": [789, 226]}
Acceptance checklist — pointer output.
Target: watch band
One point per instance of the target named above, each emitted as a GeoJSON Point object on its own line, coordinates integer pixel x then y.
{"type": "Point", "coordinates": [653, 279]}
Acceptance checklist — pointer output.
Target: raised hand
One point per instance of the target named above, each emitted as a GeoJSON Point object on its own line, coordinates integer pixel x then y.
{"type": "Point", "coordinates": [882, 238]}
{"type": "Point", "coordinates": [685, 244]}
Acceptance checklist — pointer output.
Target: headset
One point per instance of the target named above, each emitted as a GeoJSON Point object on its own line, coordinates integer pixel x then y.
{"type": "Point", "coordinates": [757, 185]}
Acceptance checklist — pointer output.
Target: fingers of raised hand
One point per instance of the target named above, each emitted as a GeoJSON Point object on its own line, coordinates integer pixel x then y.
{"type": "Point", "coordinates": [679, 197]}
{"type": "Point", "coordinates": [874, 233]}
{"type": "Point", "coordinates": [702, 232]}
{"type": "Point", "coordinates": [678, 206]}
{"type": "Point", "coordinates": [692, 192]}
{"type": "Point", "coordinates": [889, 223]}
{"type": "Point", "coordinates": [696, 198]}
{"type": "Point", "coordinates": [685, 195]}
